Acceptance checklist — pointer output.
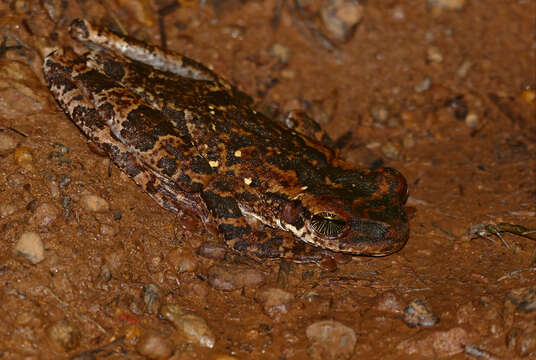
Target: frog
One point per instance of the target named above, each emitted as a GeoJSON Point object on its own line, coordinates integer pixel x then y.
{"type": "Point", "coordinates": [195, 142]}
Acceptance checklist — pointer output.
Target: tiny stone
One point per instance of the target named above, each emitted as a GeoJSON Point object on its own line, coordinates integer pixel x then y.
{"type": "Point", "coordinates": [448, 4]}
{"type": "Point", "coordinates": [24, 158]}
{"type": "Point", "coordinates": [186, 264]}
{"type": "Point", "coordinates": [330, 340]}
{"type": "Point", "coordinates": [7, 210]}
{"type": "Point", "coordinates": [522, 340]}
{"type": "Point", "coordinates": [471, 119]}
{"type": "Point", "coordinates": [340, 17]}
{"type": "Point", "coordinates": [282, 53]}
{"type": "Point", "coordinates": [275, 302]}
{"type": "Point", "coordinates": [213, 250]}
{"type": "Point", "coordinates": [522, 300]}
{"type": "Point", "coordinates": [193, 327]}
{"type": "Point", "coordinates": [65, 335]}
{"type": "Point", "coordinates": [45, 214]}
{"type": "Point", "coordinates": [417, 314]}
{"type": "Point", "coordinates": [288, 74]}
{"type": "Point", "coordinates": [151, 298]}
{"type": "Point", "coordinates": [529, 96]}
{"type": "Point", "coordinates": [30, 246]}
{"type": "Point", "coordinates": [430, 344]}
{"type": "Point", "coordinates": [94, 203]}
{"type": "Point", "coordinates": [433, 54]}
{"type": "Point", "coordinates": [390, 302]}
{"type": "Point", "coordinates": [153, 346]}
{"type": "Point", "coordinates": [229, 278]}
{"type": "Point", "coordinates": [380, 113]}
{"type": "Point", "coordinates": [390, 150]}
{"type": "Point", "coordinates": [408, 141]}
{"type": "Point", "coordinates": [7, 143]}
{"type": "Point", "coordinates": [464, 68]}
{"type": "Point", "coordinates": [64, 180]}
{"type": "Point", "coordinates": [424, 85]}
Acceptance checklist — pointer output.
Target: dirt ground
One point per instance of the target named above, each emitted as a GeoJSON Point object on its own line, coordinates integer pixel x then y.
{"type": "Point", "coordinates": [442, 90]}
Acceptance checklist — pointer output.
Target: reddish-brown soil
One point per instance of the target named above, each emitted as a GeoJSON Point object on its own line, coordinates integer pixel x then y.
{"type": "Point", "coordinates": [446, 96]}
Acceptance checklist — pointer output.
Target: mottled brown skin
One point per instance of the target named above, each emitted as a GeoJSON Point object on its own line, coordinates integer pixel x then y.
{"type": "Point", "coordinates": [190, 139]}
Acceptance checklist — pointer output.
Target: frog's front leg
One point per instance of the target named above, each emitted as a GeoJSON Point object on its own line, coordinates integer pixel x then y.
{"type": "Point", "coordinates": [238, 234]}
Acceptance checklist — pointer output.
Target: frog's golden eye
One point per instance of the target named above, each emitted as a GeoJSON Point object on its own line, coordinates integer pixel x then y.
{"type": "Point", "coordinates": [329, 224]}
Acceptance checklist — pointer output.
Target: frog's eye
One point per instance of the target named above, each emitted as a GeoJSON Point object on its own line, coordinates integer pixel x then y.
{"type": "Point", "coordinates": [327, 223]}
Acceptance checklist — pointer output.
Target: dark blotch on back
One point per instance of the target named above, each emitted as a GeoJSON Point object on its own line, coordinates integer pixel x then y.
{"type": "Point", "coordinates": [168, 165]}
{"type": "Point", "coordinates": [235, 232]}
{"type": "Point", "coordinates": [221, 206]}
{"type": "Point", "coordinates": [200, 165]}
{"type": "Point", "coordinates": [95, 82]}
{"type": "Point", "coordinates": [144, 126]}
{"type": "Point", "coordinates": [114, 70]}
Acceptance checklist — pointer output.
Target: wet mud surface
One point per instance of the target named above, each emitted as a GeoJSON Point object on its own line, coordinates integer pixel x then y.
{"type": "Point", "coordinates": [444, 91]}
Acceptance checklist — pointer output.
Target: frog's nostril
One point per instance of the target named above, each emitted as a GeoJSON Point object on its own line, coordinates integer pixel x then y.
{"type": "Point", "coordinates": [327, 223]}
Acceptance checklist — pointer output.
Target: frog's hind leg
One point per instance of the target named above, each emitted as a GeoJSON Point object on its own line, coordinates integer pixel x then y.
{"type": "Point", "coordinates": [134, 49]}
{"type": "Point", "coordinates": [82, 112]}
{"type": "Point", "coordinates": [165, 149]}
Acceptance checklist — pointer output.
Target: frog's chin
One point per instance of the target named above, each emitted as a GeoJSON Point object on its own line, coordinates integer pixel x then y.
{"type": "Point", "coordinates": [372, 238]}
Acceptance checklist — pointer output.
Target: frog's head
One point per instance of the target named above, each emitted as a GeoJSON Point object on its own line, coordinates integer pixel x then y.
{"type": "Point", "coordinates": [354, 211]}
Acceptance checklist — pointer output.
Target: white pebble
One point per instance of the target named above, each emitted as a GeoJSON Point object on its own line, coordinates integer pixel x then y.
{"type": "Point", "coordinates": [94, 203]}
{"type": "Point", "coordinates": [30, 246]}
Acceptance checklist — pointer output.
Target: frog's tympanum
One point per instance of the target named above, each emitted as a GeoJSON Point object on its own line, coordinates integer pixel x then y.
{"type": "Point", "coordinates": [191, 140]}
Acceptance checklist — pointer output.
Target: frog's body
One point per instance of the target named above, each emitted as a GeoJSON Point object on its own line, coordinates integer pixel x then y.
{"type": "Point", "coordinates": [190, 139]}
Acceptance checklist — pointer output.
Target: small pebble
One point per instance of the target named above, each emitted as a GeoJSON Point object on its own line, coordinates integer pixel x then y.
{"type": "Point", "coordinates": [389, 302]}
{"type": "Point", "coordinates": [380, 113]}
{"type": "Point", "coordinates": [275, 302]}
{"type": "Point", "coordinates": [30, 246]}
{"type": "Point", "coordinates": [7, 209]}
{"type": "Point", "coordinates": [229, 278]}
{"type": "Point", "coordinates": [193, 327]}
{"type": "Point", "coordinates": [340, 18]}
{"type": "Point", "coordinates": [471, 119]}
{"type": "Point", "coordinates": [522, 341]}
{"type": "Point", "coordinates": [281, 52]}
{"type": "Point", "coordinates": [65, 335]}
{"type": "Point", "coordinates": [417, 314]}
{"type": "Point", "coordinates": [424, 85]}
{"type": "Point", "coordinates": [213, 250]}
{"type": "Point", "coordinates": [151, 298]}
{"type": "Point", "coordinates": [94, 203]}
{"type": "Point", "coordinates": [433, 54]}
{"type": "Point", "coordinates": [529, 96]}
{"type": "Point", "coordinates": [24, 158]}
{"type": "Point", "coordinates": [64, 180]}
{"type": "Point", "coordinates": [330, 340]}
{"type": "Point", "coordinates": [45, 214]}
{"type": "Point", "coordinates": [390, 150]}
{"type": "Point", "coordinates": [464, 68]}
{"type": "Point", "coordinates": [7, 143]}
{"type": "Point", "coordinates": [186, 264]}
{"type": "Point", "coordinates": [153, 346]}
{"type": "Point", "coordinates": [522, 300]}
{"type": "Point", "coordinates": [409, 141]}
{"type": "Point", "coordinates": [448, 4]}
{"type": "Point", "coordinates": [430, 344]}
